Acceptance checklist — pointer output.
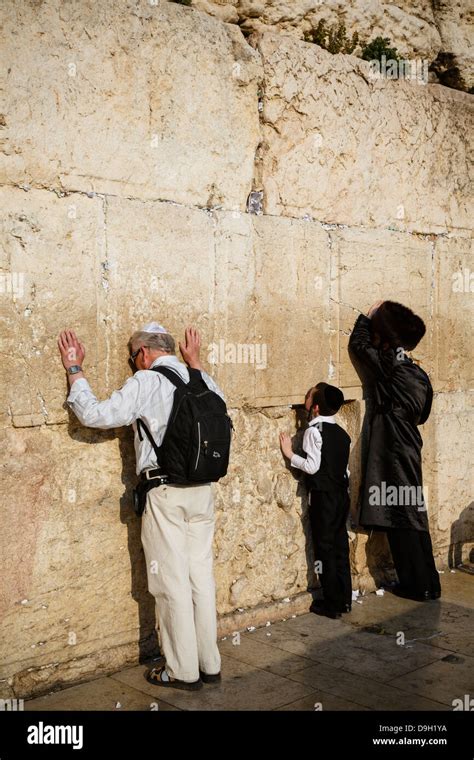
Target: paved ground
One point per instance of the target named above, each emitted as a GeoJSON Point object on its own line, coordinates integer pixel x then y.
{"type": "Point", "coordinates": [309, 662]}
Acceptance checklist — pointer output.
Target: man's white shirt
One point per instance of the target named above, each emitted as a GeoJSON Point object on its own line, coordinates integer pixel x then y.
{"type": "Point", "coordinates": [147, 396]}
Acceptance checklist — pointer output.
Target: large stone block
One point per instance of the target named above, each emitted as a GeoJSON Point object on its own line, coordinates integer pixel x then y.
{"type": "Point", "coordinates": [271, 282]}
{"type": "Point", "coordinates": [71, 557]}
{"type": "Point", "coordinates": [292, 307]}
{"type": "Point", "coordinates": [234, 353]}
{"type": "Point", "coordinates": [373, 264]}
{"type": "Point", "coordinates": [345, 148]}
{"type": "Point", "coordinates": [52, 249]}
{"type": "Point", "coordinates": [449, 476]}
{"type": "Point", "coordinates": [159, 267]}
{"type": "Point", "coordinates": [144, 100]}
{"type": "Point", "coordinates": [454, 312]}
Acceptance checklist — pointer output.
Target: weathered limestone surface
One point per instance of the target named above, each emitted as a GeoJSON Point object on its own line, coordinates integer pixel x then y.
{"type": "Point", "coordinates": [417, 28]}
{"type": "Point", "coordinates": [390, 265]}
{"type": "Point", "coordinates": [250, 277]}
{"type": "Point", "coordinates": [151, 101]}
{"type": "Point", "coordinates": [455, 22]}
{"type": "Point", "coordinates": [453, 318]}
{"type": "Point", "coordinates": [347, 149]}
{"type": "Point", "coordinates": [71, 566]}
{"type": "Point", "coordinates": [56, 247]}
{"type": "Point", "coordinates": [365, 196]}
{"type": "Point", "coordinates": [449, 474]}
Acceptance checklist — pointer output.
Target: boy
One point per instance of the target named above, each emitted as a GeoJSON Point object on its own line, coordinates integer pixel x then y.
{"type": "Point", "coordinates": [326, 446]}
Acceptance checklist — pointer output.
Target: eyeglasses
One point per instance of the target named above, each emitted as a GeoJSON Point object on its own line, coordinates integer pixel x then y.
{"type": "Point", "coordinates": [135, 353]}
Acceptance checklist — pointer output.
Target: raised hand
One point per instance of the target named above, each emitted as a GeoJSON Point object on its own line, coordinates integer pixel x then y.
{"type": "Point", "coordinates": [191, 348]}
{"type": "Point", "coordinates": [71, 349]}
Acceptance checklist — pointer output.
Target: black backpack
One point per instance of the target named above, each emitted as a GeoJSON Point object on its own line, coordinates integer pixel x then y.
{"type": "Point", "coordinates": [196, 445]}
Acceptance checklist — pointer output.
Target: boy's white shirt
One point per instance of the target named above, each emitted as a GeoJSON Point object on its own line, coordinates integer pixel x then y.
{"type": "Point", "coordinates": [312, 445]}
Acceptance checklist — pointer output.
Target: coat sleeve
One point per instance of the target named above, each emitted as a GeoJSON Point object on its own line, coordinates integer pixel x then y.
{"type": "Point", "coordinates": [360, 345]}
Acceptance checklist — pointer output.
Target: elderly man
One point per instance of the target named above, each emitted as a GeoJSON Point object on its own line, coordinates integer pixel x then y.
{"type": "Point", "coordinates": [178, 521]}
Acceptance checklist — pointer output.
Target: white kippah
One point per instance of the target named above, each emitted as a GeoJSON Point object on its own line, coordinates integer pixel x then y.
{"type": "Point", "coordinates": [154, 327]}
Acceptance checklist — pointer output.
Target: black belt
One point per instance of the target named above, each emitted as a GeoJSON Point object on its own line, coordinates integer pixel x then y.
{"type": "Point", "coordinates": [156, 474]}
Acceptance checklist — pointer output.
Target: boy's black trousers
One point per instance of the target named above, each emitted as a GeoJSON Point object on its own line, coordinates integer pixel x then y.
{"type": "Point", "coordinates": [328, 511]}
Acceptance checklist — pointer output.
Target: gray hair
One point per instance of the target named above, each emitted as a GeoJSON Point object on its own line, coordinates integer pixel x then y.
{"type": "Point", "coordinates": [155, 341]}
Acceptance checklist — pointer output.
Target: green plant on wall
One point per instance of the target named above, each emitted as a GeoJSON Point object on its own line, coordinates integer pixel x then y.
{"type": "Point", "coordinates": [375, 49]}
{"type": "Point", "coordinates": [390, 64]}
{"type": "Point", "coordinates": [334, 38]}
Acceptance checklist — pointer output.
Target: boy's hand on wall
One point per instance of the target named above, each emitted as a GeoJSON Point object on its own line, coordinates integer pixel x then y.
{"type": "Point", "coordinates": [285, 445]}
{"type": "Point", "coordinates": [71, 349]}
{"type": "Point", "coordinates": [191, 348]}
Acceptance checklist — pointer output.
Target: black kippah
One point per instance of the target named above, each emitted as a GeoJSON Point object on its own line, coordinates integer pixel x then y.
{"type": "Point", "coordinates": [328, 398]}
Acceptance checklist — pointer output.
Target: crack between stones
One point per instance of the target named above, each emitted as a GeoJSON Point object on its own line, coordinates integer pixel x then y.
{"type": "Point", "coordinates": [60, 193]}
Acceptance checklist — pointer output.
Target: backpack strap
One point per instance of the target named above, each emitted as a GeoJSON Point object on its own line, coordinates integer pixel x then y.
{"type": "Point", "coordinates": [170, 375]}
{"type": "Point", "coordinates": [195, 376]}
{"type": "Point", "coordinates": [141, 424]}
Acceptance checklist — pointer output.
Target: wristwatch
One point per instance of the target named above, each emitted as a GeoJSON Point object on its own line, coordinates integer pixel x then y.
{"type": "Point", "coordinates": [74, 369]}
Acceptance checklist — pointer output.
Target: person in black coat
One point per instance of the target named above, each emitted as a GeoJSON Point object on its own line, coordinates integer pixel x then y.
{"type": "Point", "coordinates": [398, 399]}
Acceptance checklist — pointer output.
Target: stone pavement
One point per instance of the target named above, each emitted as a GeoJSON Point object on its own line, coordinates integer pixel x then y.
{"type": "Point", "coordinates": [309, 662]}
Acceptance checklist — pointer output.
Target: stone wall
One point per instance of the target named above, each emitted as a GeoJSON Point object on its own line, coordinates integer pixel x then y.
{"type": "Point", "coordinates": [416, 28]}
{"type": "Point", "coordinates": [132, 137]}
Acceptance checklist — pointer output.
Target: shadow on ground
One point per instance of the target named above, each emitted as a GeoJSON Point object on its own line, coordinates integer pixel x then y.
{"type": "Point", "coordinates": [388, 654]}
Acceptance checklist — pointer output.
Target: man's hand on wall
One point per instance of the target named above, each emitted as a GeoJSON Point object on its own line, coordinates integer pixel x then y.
{"type": "Point", "coordinates": [191, 348]}
{"type": "Point", "coordinates": [71, 349]}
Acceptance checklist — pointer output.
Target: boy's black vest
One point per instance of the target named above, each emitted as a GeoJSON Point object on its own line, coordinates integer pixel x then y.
{"type": "Point", "coordinates": [331, 475]}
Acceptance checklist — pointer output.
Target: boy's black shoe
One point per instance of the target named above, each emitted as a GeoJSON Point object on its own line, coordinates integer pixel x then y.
{"type": "Point", "coordinates": [319, 608]}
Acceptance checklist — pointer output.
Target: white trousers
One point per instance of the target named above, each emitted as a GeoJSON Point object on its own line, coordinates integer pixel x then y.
{"type": "Point", "coordinates": [177, 537]}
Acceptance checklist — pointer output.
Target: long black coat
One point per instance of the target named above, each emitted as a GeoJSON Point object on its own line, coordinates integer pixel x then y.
{"type": "Point", "coordinates": [398, 399]}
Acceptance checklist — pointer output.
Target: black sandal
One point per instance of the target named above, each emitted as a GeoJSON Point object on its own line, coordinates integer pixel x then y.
{"type": "Point", "coordinates": [155, 676]}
